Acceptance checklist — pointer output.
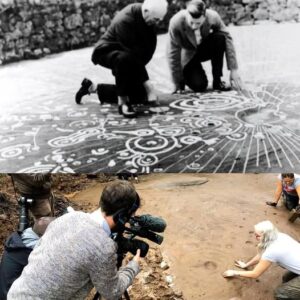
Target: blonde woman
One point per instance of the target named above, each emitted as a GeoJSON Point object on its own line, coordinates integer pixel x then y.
{"type": "Point", "coordinates": [274, 247]}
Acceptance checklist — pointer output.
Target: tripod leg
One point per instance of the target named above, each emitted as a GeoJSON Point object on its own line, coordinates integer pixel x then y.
{"type": "Point", "coordinates": [126, 295]}
{"type": "Point", "coordinates": [97, 296]}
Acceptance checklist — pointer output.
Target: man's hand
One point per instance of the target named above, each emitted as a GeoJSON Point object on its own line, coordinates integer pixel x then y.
{"type": "Point", "coordinates": [152, 96]}
{"type": "Point", "coordinates": [240, 264]}
{"type": "Point", "coordinates": [179, 88]}
{"type": "Point", "coordinates": [230, 273]}
{"type": "Point", "coordinates": [236, 81]}
{"type": "Point", "coordinates": [271, 203]}
{"type": "Point", "coordinates": [177, 91]}
{"type": "Point", "coordinates": [137, 256]}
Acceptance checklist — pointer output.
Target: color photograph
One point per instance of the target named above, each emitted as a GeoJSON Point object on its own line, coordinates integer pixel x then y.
{"type": "Point", "coordinates": [198, 235]}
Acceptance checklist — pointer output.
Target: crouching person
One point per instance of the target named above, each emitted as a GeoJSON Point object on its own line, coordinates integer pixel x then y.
{"type": "Point", "coordinates": [274, 247]}
{"type": "Point", "coordinates": [77, 253]}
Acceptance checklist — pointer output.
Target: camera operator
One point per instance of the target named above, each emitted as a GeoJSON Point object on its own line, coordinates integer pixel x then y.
{"type": "Point", "coordinates": [77, 253]}
{"type": "Point", "coordinates": [38, 188]}
{"type": "Point", "coordinates": [17, 248]}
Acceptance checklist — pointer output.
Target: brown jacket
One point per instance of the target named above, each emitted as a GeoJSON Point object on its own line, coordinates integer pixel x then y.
{"type": "Point", "coordinates": [182, 42]}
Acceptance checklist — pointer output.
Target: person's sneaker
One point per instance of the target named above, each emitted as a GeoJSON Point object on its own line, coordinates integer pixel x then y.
{"type": "Point", "coordinates": [220, 86]}
{"type": "Point", "coordinates": [127, 111]}
{"type": "Point", "coordinates": [84, 90]}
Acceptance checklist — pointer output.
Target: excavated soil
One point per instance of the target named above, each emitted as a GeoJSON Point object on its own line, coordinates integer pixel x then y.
{"type": "Point", "coordinates": [153, 282]}
{"type": "Point", "coordinates": [210, 224]}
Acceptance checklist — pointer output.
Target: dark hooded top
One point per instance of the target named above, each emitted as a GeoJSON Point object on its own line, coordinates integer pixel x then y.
{"type": "Point", "coordinates": [14, 259]}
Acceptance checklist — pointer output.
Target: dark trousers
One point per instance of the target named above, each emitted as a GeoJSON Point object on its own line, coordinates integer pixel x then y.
{"type": "Point", "coordinates": [12, 263]}
{"type": "Point", "coordinates": [130, 73]}
{"type": "Point", "coordinates": [211, 48]}
{"type": "Point", "coordinates": [290, 201]}
{"type": "Point", "coordinates": [290, 287]}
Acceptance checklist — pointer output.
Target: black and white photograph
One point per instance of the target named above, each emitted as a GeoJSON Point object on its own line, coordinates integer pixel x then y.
{"type": "Point", "coordinates": [92, 86]}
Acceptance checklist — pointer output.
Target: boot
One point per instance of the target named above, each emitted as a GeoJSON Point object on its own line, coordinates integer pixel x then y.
{"type": "Point", "coordinates": [84, 90]}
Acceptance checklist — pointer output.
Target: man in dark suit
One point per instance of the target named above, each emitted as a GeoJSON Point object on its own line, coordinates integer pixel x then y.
{"type": "Point", "coordinates": [197, 34]}
{"type": "Point", "coordinates": [126, 48]}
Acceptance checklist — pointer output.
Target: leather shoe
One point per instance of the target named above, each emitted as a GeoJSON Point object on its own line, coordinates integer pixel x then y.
{"type": "Point", "coordinates": [84, 90]}
{"type": "Point", "coordinates": [126, 111]}
{"type": "Point", "coordinates": [220, 86]}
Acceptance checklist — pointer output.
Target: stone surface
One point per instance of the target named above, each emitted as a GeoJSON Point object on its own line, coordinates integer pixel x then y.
{"type": "Point", "coordinates": [42, 129]}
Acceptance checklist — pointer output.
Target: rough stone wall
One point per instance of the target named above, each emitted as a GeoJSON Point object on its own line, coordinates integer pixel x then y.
{"type": "Point", "coordinates": [34, 28]}
{"type": "Point", "coordinates": [245, 12]}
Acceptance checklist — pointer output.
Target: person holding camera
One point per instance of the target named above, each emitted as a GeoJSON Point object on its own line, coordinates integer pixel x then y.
{"type": "Point", "coordinates": [274, 247]}
{"type": "Point", "coordinates": [36, 187]}
{"type": "Point", "coordinates": [77, 252]}
{"type": "Point", "coordinates": [198, 34]}
{"type": "Point", "coordinates": [288, 185]}
{"type": "Point", "coordinates": [17, 249]}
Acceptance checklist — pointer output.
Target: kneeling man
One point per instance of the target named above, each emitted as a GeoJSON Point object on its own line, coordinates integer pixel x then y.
{"type": "Point", "coordinates": [197, 34]}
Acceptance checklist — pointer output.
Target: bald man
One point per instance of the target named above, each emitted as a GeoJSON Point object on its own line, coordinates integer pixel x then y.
{"type": "Point", "coordinates": [126, 48]}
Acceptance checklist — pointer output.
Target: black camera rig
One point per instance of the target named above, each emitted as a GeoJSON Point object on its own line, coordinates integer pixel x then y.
{"type": "Point", "coordinates": [144, 226]}
{"type": "Point", "coordinates": [23, 213]}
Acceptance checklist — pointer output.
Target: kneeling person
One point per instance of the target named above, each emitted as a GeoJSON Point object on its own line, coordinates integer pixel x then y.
{"type": "Point", "coordinates": [288, 186]}
{"type": "Point", "coordinates": [274, 247]}
{"type": "Point", "coordinates": [126, 48]}
{"type": "Point", "coordinates": [197, 34]}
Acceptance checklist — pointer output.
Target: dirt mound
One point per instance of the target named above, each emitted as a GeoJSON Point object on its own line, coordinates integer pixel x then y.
{"type": "Point", "coordinates": [154, 281]}
{"type": "Point", "coordinates": [8, 217]}
{"type": "Point", "coordinates": [62, 185]}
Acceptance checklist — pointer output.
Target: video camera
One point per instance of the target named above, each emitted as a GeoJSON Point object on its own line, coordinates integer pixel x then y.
{"type": "Point", "coordinates": [145, 226]}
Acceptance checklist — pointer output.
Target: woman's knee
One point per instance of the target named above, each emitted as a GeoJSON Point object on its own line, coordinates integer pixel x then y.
{"type": "Point", "coordinates": [279, 293]}
{"type": "Point", "coordinates": [285, 291]}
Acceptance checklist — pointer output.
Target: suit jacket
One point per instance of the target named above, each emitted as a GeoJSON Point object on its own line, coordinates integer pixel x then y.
{"type": "Point", "coordinates": [129, 32]}
{"type": "Point", "coordinates": [182, 43]}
